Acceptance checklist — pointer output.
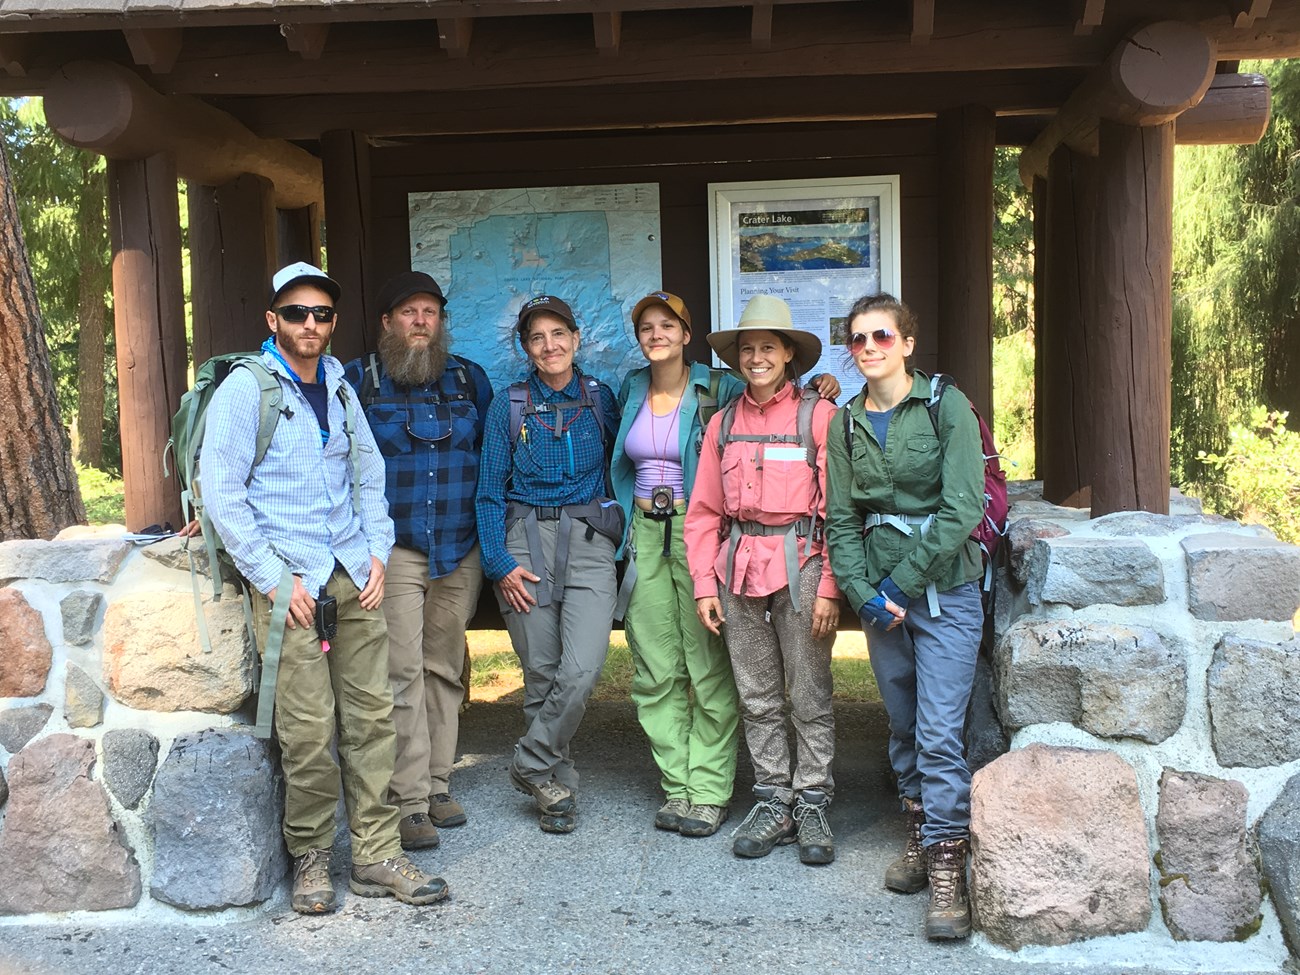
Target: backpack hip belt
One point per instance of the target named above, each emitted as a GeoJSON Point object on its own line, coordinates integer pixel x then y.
{"type": "Point", "coordinates": [793, 531]}
{"type": "Point", "coordinates": [530, 515]}
{"type": "Point", "coordinates": [906, 524]}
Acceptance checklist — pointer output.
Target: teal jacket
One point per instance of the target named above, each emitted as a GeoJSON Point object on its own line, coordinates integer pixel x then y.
{"type": "Point", "coordinates": [635, 389]}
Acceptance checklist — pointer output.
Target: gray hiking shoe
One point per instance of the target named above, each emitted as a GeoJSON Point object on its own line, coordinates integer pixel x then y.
{"type": "Point", "coordinates": [551, 797]}
{"type": "Point", "coordinates": [816, 844]}
{"type": "Point", "coordinates": [767, 825]}
{"type": "Point", "coordinates": [671, 814]}
{"type": "Point", "coordinates": [907, 874]}
{"type": "Point", "coordinates": [396, 877]}
{"type": "Point", "coordinates": [313, 891]}
{"type": "Point", "coordinates": [703, 820]}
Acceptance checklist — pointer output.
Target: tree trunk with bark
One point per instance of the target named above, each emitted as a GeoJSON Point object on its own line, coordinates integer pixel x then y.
{"type": "Point", "coordinates": [92, 315]}
{"type": "Point", "coordinates": [38, 487]}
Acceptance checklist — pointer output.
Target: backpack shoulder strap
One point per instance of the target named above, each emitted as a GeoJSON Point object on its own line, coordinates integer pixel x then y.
{"type": "Point", "coordinates": [724, 428]}
{"type": "Point", "coordinates": [369, 380]}
{"type": "Point", "coordinates": [465, 379]}
{"type": "Point", "coordinates": [518, 395]}
{"type": "Point", "coordinates": [803, 424]}
{"type": "Point", "coordinates": [270, 402]}
{"type": "Point", "coordinates": [354, 449]}
{"type": "Point", "coordinates": [848, 430]}
{"type": "Point", "coordinates": [708, 402]}
{"type": "Point", "coordinates": [938, 383]}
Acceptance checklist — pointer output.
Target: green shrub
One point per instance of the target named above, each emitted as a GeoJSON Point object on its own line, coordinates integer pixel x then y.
{"type": "Point", "coordinates": [1261, 474]}
{"type": "Point", "coordinates": [1013, 402]}
{"type": "Point", "coordinates": [103, 497]}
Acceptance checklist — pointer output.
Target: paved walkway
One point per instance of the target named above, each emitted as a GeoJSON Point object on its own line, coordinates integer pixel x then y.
{"type": "Point", "coordinates": [614, 898]}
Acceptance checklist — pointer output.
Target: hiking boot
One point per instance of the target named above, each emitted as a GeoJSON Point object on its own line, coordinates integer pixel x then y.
{"type": "Point", "coordinates": [671, 814]}
{"type": "Point", "coordinates": [703, 820]}
{"type": "Point", "coordinates": [417, 832]}
{"type": "Point", "coordinates": [908, 874]}
{"type": "Point", "coordinates": [560, 822]}
{"type": "Point", "coordinates": [396, 877]}
{"type": "Point", "coordinates": [949, 913]}
{"type": "Point", "coordinates": [446, 811]}
{"type": "Point", "coordinates": [816, 844]}
{"type": "Point", "coordinates": [767, 825]}
{"type": "Point", "coordinates": [313, 891]}
{"type": "Point", "coordinates": [551, 797]}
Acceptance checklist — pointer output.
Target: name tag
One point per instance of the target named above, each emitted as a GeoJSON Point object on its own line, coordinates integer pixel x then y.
{"type": "Point", "coordinates": [786, 454]}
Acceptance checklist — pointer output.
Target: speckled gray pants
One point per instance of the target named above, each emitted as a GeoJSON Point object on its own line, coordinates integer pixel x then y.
{"type": "Point", "coordinates": [766, 658]}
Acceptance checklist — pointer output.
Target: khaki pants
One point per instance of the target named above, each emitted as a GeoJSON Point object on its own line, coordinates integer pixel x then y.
{"type": "Point", "coordinates": [350, 681]}
{"type": "Point", "coordinates": [426, 659]}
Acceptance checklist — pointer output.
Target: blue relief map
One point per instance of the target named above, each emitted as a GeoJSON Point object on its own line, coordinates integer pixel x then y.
{"type": "Point", "coordinates": [491, 250]}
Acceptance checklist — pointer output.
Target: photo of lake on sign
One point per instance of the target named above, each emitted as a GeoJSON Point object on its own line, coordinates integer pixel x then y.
{"type": "Point", "coordinates": [765, 250]}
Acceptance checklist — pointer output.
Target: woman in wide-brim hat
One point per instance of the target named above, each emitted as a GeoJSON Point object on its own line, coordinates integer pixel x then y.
{"type": "Point", "coordinates": [755, 547]}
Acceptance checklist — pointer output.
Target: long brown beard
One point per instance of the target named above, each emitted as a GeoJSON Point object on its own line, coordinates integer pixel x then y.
{"type": "Point", "coordinates": [413, 365]}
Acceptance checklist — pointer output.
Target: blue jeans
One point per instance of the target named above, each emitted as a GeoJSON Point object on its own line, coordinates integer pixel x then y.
{"type": "Point", "coordinates": [925, 669]}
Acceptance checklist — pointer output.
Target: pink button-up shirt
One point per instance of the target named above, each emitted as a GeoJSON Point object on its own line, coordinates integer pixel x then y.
{"type": "Point", "coordinates": [767, 483]}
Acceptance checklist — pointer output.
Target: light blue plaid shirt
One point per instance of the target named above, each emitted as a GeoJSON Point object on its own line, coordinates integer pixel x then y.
{"type": "Point", "coordinates": [297, 507]}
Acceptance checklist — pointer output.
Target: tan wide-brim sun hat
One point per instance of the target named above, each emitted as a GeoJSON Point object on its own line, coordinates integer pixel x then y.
{"type": "Point", "coordinates": [771, 314]}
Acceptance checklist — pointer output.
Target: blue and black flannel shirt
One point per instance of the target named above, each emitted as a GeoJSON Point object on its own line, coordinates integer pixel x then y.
{"type": "Point", "coordinates": [430, 437]}
{"type": "Point", "coordinates": [540, 468]}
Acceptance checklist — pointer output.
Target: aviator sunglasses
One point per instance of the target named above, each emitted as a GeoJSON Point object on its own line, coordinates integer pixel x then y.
{"type": "Point", "coordinates": [883, 337]}
{"type": "Point", "coordinates": [297, 314]}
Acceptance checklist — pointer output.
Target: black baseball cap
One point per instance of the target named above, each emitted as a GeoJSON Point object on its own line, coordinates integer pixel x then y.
{"type": "Point", "coordinates": [547, 303]}
{"type": "Point", "coordinates": [397, 289]}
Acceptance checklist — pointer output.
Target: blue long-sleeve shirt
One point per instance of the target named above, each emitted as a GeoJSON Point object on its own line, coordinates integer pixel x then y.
{"type": "Point", "coordinates": [431, 476]}
{"type": "Point", "coordinates": [539, 468]}
{"type": "Point", "coordinates": [295, 507]}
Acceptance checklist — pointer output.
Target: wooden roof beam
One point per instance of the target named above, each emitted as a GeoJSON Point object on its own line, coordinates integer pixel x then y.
{"type": "Point", "coordinates": [922, 21]}
{"type": "Point", "coordinates": [306, 40]}
{"type": "Point", "coordinates": [1152, 76]}
{"type": "Point", "coordinates": [155, 48]}
{"type": "Point", "coordinates": [1234, 112]}
{"type": "Point", "coordinates": [1087, 15]}
{"type": "Point", "coordinates": [1246, 12]}
{"type": "Point", "coordinates": [454, 34]}
{"type": "Point", "coordinates": [608, 27]}
{"type": "Point", "coordinates": [106, 107]}
{"type": "Point", "coordinates": [15, 54]}
{"type": "Point", "coordinates": [760, 29]}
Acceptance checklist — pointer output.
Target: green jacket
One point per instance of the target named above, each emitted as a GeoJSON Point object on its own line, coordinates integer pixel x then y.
{"type": "Point", "coordinates": [916, 474]}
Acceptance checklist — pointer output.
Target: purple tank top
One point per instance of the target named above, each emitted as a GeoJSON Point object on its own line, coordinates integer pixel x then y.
{"type": "Point", "coordinates": [654, 446]}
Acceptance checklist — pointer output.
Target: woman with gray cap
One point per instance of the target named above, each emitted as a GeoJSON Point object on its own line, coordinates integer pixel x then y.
{"type": "Point", "coordinates": [756, 551]}
{"type": "Point", "coordinates": [548, 531]}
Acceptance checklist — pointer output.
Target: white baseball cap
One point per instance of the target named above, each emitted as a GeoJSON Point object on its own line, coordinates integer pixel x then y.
{"type": "Point", "coordinates": [301, 272]}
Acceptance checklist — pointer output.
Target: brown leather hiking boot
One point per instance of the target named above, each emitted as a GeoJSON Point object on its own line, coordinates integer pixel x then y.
{"type": "Point", "coordinates": [417, 832]}
{"type": "Point", "coordinates": [908, 874]}
{"type": "Point", "coordinates": [396, 877]}
{"type": "Point", "coordinates": [313, 891]}
{"type": "Point", "coordinates": [949, 914]}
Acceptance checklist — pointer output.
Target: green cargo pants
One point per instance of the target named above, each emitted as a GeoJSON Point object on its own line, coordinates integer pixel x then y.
{"type": "Point", "coordinates": [351, 679]}
{"type": "Point", "coordinates": [693, 742]}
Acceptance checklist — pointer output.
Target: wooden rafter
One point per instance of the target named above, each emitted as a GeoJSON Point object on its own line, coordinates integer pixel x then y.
{"type": "Point", "coordinates": [454, 34]}
{"type": "Point", "coordinates": [1087, 15]}
{"type": "Point", "coordinates": [922, 21]}
{"type": "Point", "coordinates": [155, 48]}
{"type": "Point", "coordinates": [1246, 12]}
{"type": "Point", "coordinates": [306, 40]}
{"type": "Point", "coordinates": [15, 49]}
{"type": "Point", "coordinates": [760, 30]}
{"type": "Point", "coordinates": [608, 28]}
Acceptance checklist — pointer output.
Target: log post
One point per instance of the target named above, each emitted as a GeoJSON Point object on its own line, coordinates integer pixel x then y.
{"type": "Point", "coordinates": [1039, 193]}
{"type": "Point", "coordinates": [149, 325]}
{"type": "Point", "coordinates": [345, 158]}
{"type": "Point", "coordinates": [298, 235]}
{"type": "Point", "coordinates": [1065, 341]}
{"type": "Point", "coordinates": [232, 250]}
{"type": "Point", "coordinates": [967, 137]}
{"type": "Point", "coordinates": [1132, 345]}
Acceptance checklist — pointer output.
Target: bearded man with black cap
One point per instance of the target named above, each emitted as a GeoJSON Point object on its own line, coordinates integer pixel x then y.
{"type": "Point", "coordinates": [308, 523]}
{"type": "Point", "coordinates": [426, 408]}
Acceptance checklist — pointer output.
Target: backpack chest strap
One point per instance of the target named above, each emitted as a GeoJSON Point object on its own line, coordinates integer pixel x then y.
{"type": "Point", "coordinates": [792, 532]}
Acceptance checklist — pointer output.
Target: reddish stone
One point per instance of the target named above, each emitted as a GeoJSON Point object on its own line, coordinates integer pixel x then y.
{"type": "Point", "coordinates": [25, 651]}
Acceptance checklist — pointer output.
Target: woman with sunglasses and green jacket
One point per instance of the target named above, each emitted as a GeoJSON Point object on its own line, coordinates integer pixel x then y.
{"type": "Point", "coordinates": [682, 686]}
{"type": "Point", "coordinates": [904, 493]}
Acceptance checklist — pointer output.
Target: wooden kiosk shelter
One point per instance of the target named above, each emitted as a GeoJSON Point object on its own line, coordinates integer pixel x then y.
{"type": "Point", "coordinates": [282, 113]}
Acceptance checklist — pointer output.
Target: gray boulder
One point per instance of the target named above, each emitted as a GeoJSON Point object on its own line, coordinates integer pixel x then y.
{"type": "Point", "coordinates": [18, 726]}
{"type": "Point", "coordinates": [4, 788]}
{"type": "Point", "coordinates": [1279, 850]}
{"type": "Point", "coordinates": [1021, 536]}
{"type": "Point", "coordinates": [1130, 523]}
{"type": "Point", "coordinates": [1254, 697]}
{"type": "Point", "coordinates": [175, 552]}
{"type": "Point", "coordinates": [79, 609]}
{"type": "Point", "coordinates": [1110, 680]}
{"type": "Point", "coordinates": [1210, 883]}
{"type": "Point", "coordinates": [83, 701]}
{"type": "Point", "coordinates": [1232, 576]}
{"type": "Point", "coordinates": [1090, 571]}
{"type": "Point", "coordinates": [130, 758]}
{"type": "Point", "coordinates": [985, 739]}
{"type": "Point", "coordinates": [63, 560]}
{"type": "Point", "coordinates": [215, 818]}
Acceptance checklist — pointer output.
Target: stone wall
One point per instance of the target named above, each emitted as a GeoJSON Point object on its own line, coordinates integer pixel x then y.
{"type": "Point", "coordinates": [1147, 671]}
{"type": "Point", "coordinates": [119, 732]}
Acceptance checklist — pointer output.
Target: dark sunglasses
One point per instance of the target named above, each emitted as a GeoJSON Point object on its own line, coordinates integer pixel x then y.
{"type": "Point", "coordinates": [297, 314]}
{"type": "Point", "coordinates": [883, 337]}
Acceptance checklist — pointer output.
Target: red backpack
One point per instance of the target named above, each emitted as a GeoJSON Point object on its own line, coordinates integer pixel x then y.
{"type": "Point", "coordinates": [993, 525]}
